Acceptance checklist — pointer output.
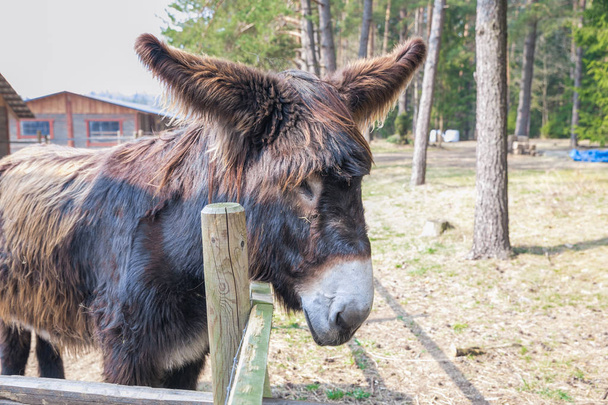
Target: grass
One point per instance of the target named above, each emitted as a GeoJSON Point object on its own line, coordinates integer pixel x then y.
{"type": "Point", "coordinates": [460, 327]}
{"type": "Point", "coordinates": [335, 394]}
{"type": "Point", "coordinates": [359, 393]}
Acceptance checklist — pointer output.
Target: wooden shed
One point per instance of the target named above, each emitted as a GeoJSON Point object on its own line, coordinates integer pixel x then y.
{"type": "Point", "coordinates": [87, 121]}
{"type": "Point", "coordinates": [12, 107]}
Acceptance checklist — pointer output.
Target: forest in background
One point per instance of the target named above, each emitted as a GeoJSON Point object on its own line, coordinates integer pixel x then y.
{"type": "Point", "coordinates": [268, 34]}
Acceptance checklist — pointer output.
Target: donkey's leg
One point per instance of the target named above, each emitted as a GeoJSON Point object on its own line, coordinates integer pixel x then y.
{"type": "Point", "coordinates": [126, 368]}
{"type": "Point", "coordinates": [50, 364]}
{"type": "Point", "coordinates": [14, 349]}
{"type": "Point", "coordinates": [127, 361]}
{"type": "Point", "coordinates": [184, 377]}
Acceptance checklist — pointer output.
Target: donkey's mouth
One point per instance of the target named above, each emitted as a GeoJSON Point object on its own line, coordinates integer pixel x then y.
{"type": "Point", "coordinates": [333, 339]}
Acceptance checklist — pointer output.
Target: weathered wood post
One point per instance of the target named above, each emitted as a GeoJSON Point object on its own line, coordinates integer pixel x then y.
{"type": "Point", "coordinates": [226, 286]}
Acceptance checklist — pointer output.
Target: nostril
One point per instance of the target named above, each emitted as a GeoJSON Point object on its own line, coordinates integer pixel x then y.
{"type": "Point", "coordinates": [350, 318]}
{"type": "Point", "coordinates": [337, 315]}
{"type": "Point", "coordinates": [340, 320]}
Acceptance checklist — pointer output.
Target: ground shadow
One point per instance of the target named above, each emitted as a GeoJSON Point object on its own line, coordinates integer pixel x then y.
{"type": "Point", "coordinates": [372, 375]}
{"type": "Point", "coordinates": [552, 250]}
{"type": "Point", "coordinates": [467, 388]}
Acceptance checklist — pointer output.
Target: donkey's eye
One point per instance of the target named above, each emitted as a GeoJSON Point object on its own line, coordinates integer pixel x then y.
{"type": "Point", "coordinates": [306, 190]}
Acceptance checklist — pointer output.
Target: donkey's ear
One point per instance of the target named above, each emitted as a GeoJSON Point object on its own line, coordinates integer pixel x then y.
{"type": "Point", "coordinates": [370, 87]}
{"type": "Point", "coordinates": [198, 86]}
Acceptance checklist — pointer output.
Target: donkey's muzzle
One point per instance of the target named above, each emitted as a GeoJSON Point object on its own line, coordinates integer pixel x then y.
{"type": "Point", "coordinates": [338, 303]}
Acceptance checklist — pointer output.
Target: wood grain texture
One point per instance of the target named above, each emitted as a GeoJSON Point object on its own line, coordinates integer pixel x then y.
{"type": "Point", "coordinates": [227, 288]}
{"type": "Point", "coordinates": [38, 391]}
{"type": "Point", "coordinates": [30, 390]}
{"type": "Point", "coordinates": [248, 385]}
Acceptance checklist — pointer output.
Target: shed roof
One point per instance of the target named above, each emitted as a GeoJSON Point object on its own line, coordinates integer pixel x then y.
{"type": "Point", "coordinates": [14, 100]}
{"type": "Point", "coordinates": [127, 104]}
{"type": "Point", "coordinates": [135, 106]}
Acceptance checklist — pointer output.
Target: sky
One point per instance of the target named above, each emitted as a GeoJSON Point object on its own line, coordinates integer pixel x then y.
{"type": "Point", "coordinates": [47, 46]}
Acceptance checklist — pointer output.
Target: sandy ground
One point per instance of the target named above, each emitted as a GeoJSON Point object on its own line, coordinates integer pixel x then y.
{"type": "Point", "coordinates": [539, 318]}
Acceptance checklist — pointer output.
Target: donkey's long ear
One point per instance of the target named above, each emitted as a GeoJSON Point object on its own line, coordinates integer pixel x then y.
{"type": "Point", "coordinates": [234, 94]}
{"type": "Point", "coordinates": [371, 87]}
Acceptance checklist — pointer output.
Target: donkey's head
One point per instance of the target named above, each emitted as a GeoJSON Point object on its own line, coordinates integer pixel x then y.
{"type": "Point", "coordinates": [288, 146]}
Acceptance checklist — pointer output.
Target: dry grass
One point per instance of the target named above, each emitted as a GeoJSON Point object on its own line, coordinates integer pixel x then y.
{"type": "Point", "coordinates": [540, 317]}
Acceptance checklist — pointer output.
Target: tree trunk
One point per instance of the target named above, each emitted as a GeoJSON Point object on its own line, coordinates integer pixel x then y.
{"type": "Point", "coordinates": [491, 228]}
{"type": "Point", "coordinates": [545, 86]}
{"type": "Point", "coordinates": [365, 26]}
{"type": "Point", "coordinates": [327, 37]}
{"type": "Point", "coordinates": [441, 133]}
{"type": "Point", "coordinates": [426, 100]}
{"type": "Point", "coordinates": [418, 21]}
{"type": "Point", "coordinates": [308, 39]}
{"type": "Point", "coordinates": [510, 59]}
{"type": "Point", "coordinates": [522, 125]}
{"type": "Point", "coordinates": [572, 41]}
{"type": "Point", "coordinates": [418, 30]}
{"type": "Point", "coordinates": [387, 21]}
{"type": "Point", "coordinates": [370, 46]}
{"type": "Point", "coordinates": [402, 108]}
{"type": "Point", "coordinates": [429, 19]}
{"type": "Point", "coordinates": [578, 75]}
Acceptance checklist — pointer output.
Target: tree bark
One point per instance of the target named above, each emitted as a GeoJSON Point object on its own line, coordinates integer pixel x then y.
{"type": "Point", "coordinates": [426, 100]}
{"type": "Point", "coordinates": [327, 37]}
{"type": "Point", "coordinates": [510, 58]}
{"type": "Point", "coordinates": [522, 125]}
{"type": "Point", "coordinates": [308, 38]}
{"type": "Point", "coordinates": [578, 75]}
{"type": "Point", "coordinates": [317, 36]}
{"type": "Point", "coordinates": [429, 19]}
{"type": "Point", "coordinates": [402, 105]}
{"type": "Point", "coordinates": [418, 30]}
{"type": "Point", "coordinates": [491, 228]}
{"type": "Point", "coordinates": [371, 45]}
{"type": "Point", "coordinates": [387, 21]}
{"type": "Point", "coordinates": [365, 26]}
{"type": "Point", "coordinates": [545, 86]}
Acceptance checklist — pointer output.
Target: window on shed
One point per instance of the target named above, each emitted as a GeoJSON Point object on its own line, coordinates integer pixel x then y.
{"type": "Point", "coordinates": [31, 128]}
{"type": "Point", "coordinates": [104, 130]}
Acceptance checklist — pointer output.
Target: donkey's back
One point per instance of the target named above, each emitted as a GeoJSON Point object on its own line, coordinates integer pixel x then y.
{"type": "Point", "coordinates": [42, 189]}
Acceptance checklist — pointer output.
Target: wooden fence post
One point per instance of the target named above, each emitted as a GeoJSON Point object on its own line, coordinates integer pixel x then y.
{"type": "Point", "coordinates": [227, 288]}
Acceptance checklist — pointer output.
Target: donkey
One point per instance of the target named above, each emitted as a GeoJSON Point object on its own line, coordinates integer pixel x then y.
{"type": "Point", "coordinates": [103, 247]}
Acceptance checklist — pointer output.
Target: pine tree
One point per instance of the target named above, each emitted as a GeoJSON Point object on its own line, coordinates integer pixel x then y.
{"type": "Point", "coordinates": [426, 101]}
{"type": "Point", "coordinates": [491, 228]}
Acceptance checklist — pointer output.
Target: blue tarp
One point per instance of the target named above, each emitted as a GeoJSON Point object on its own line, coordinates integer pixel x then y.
{"type": "Point", "coordinates": [591, 155]}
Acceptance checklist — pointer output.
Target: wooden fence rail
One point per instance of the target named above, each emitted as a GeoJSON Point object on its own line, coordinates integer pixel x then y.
{"type": "Point", "coordinates": [48, 391]}
{"type": "Point", "coordinates": [251, 381]}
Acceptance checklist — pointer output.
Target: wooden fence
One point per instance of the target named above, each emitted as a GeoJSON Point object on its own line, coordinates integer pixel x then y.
{"type": "Point", "coordinates": [239, 317]}
{"type": "Point", "coordinates": [117, 136]}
